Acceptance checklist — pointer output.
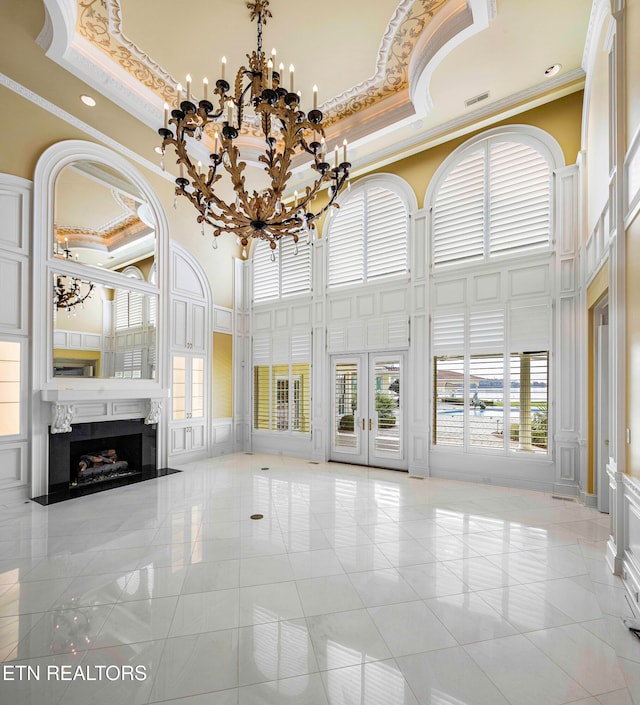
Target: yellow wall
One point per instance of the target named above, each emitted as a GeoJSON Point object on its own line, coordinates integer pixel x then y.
{"type": "Point", "coordinates": [595, 292]}
{"type": "Point", "coordinates": [62, 354]}
{"type": "Point", "coordinates": [221, 376]}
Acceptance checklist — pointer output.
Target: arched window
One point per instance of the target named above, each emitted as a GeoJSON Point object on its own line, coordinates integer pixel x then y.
{"type": "Point", "coordinates": [368, 236]}
{"type": "Point", "coordinates": [493, 199]}
{"type": "Point", "coordinates": [282, 272]}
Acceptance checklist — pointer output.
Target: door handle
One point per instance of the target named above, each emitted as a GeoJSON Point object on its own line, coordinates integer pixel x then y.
{"type": "Point", "coordinates": [606, 442]}
{"type": "Point", "coordinates": [363, 424]}
{"type": "Point", "coordinates": [370, 425]}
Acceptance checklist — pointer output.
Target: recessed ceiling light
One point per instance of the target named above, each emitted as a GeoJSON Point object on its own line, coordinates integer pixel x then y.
{"type": "Point", "coordinates": [157, 150]}
{"type": "Point", "coordinates": [552, 70]}
{"type": "Point", "coordinates": [88, 100]}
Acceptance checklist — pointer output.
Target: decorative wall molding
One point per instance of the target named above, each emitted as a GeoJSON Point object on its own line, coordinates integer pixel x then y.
{"type": "Point", "coordinates": [61, 417]}
{"type": "Point", "coordinates": [155, 411]}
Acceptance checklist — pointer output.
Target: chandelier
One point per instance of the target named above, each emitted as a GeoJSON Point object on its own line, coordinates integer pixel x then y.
{"type": "Point", "coordinates": [287, 131]}
{"type": "Point", "coordinates": [69, 292]}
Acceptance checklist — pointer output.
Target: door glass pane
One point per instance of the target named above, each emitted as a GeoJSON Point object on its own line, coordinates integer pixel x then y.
{"type": "Point", "coordinates": [386, 390]}
{"type": "Point", "coordinates": [9, 388]}
{"type": "Point", "coordinates": [179, 388]}
{"type": "Point", "coordinates": [197, 387]}
{"type": "Point", "coordinates": [346, 406]}
{"type": "Point", "coordinates": [448, 400]}
{"type": "Point", "coordinates": [486, 401]}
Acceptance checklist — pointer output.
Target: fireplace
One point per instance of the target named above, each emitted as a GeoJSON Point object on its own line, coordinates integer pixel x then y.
{"type": "Point", "coordinates": [133, 441]}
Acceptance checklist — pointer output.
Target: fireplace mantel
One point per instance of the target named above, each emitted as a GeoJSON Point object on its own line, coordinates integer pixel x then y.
{"type": "Point", "coordinates": [66, 396]}
{"type": "Point", "coordinates": [89, 405]}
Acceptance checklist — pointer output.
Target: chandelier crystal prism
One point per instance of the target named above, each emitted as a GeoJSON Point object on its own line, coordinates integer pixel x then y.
{"type": "Point", "coordinates": [287, 132]}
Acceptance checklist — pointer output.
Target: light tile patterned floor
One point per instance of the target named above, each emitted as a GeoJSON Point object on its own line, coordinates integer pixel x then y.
{"type": "Point", "coordinates": [358, 587]}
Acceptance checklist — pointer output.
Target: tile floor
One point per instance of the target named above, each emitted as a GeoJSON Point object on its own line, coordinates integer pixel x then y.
{"type": "Point", "coordinates": [358, 587]}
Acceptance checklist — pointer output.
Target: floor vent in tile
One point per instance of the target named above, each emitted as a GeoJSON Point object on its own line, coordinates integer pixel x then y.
{"type": "Point", "coordinates": [257, 516]}
{"type": "Point", "coordinates": [563, 498]}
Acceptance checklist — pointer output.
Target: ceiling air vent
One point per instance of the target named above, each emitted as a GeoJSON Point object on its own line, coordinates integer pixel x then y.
{"type": "Point", "coordinates": [476, 99]}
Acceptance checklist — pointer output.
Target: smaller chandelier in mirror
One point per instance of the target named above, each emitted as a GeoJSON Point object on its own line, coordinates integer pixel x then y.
{"type": "Point", "coordinates": [69, 292]}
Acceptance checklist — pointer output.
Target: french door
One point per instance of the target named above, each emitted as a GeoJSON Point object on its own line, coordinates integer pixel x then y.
{"type": "Point", "coordinates": [367, 410]}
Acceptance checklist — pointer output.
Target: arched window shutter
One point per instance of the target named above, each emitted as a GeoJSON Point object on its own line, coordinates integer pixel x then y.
{"type": "Point", "coordinates": [458, 213]}
{"type": "Point", "coordinates": [495, 201]}
{"type": "Point", "coordinates": [368, 237]}
{"type": "Point", "coordinates": [386, 233]}
{"type": "Point", "coordinates": [520, 194]}
{"type": "Point", "coordinates": [346, 243]}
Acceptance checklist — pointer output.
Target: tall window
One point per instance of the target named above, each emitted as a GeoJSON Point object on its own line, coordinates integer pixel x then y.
{"type": "Point", "coordinates": [282, 383]}
{"type": "Point", "coordinates": [495, 200]}
{"type": "Point", "coordinates": [488, 391]}
{"type": "Point", "coordinates": [368, 237]}
{"type": "Point", "coordinates": [282, 272]}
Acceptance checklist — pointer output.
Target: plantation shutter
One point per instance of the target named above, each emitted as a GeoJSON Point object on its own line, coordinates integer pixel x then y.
{"type": "Point", "coordinates": [386, 239]}
{"type": "Point", "coordinates": [486, 332]}
{"type": "Point", "coordinates": [136, 309]}
{"type": "Point", "coordinates": [346, 243]}
{"type": "Point", "coordinates": [122, 309]}
{"type": "Point", "coordinates": [300, 347]}
{"type": "Point", "coordinates": [265, 273]}
{"type": "Point", "coordinates": [519, 197]}
{"type": "Point", "coordinates": [295, 269]}
{"type": "Point", "coordinates": [458, 213]}
{"type": "Point", "coordinates": [448, 334]}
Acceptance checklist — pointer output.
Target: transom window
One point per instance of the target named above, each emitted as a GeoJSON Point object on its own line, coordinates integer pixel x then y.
{"type": "Point", "coordinates": [367, 237]}
{"type": "Point", "coordinates": [495, 200]}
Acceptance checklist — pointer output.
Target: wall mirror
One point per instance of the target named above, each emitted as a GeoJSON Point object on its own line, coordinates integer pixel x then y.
{"type": "Point", "coordinates": [101, 219]}
{"type": "Point", "coordinates": [104, 300]}
{"type": "Point", "coordinates": [103, 331]}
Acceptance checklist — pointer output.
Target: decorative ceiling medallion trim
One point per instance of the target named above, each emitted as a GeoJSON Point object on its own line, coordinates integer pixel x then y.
{"type": "Point", "coordinates": [401, 36]}
{"type": "Point", "coordinates": [100, 23]}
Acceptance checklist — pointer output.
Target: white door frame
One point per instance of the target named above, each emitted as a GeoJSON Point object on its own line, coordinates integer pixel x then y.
{"type": "Point", "coordinates": [365, 418]}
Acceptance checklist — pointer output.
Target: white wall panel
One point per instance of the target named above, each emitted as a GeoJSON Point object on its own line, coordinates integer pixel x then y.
{"type": "Point", "coordinates": [262, 320]}
{"type": "Point", "coordinates": [14, 205]}
{"type": "Point", "coordinates": [339, 309]}
{"type": "Point", "coordinates": [393, 301]}
{"type": "Point", "coordinates": [222, 320]}
{"type": "Point", "coordinates": [13, 465]}
{"type": "Point", "coordinates": [365, 305]}
{"type": "Point", "coordinates": [487, 287]}
{"type": "Point", "coordinates": [14, 278]}
{"type": "Point", "coordinates": [451, 293]}
{"type": "Point", "coordinates": [529, 281]}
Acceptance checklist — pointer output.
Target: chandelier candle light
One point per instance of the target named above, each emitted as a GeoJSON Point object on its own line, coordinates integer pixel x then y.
{"type": "Point", "coordinates": [287, 131]}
